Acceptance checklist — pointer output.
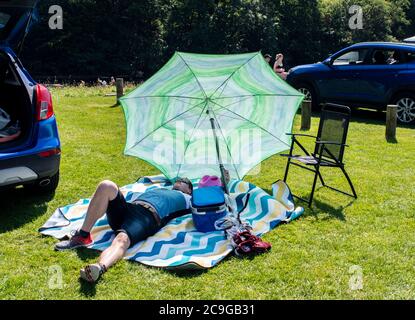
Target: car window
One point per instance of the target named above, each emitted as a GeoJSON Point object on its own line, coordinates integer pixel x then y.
{"type": "Point", "coordinates": [351, 58]}
{"type": "Point", "coordinates": [4, 19]}
{"type": "Point", "coordinates": [9, 18]}
{"type": "Point", "coordinates": [386, 57]}
{"type": "Point", "coordinates": [409, 57]}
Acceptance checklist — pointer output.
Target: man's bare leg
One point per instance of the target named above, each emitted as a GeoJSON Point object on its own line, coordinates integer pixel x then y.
{"type": "Point", "coordinates": [108, 258]}
{"type": "Point", "coordinates": [116, 251]}
{"type": "Point", "coordinates": [106, 192]}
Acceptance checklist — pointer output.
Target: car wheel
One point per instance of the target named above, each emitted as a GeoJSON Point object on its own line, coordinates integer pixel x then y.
{"type": "Point", "coordinates": [309, 94]}
{"type": "Point", "coordinates": [45, 185]}
{"type": "Point", "coordinates": [406, 108]}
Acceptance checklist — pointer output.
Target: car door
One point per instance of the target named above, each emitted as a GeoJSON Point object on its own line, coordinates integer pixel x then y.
{"type": "Point", "coordinates": [15, 21]}
{"type": "Point", "coordinates": [375, 80]}
{"type": "Point", "coordinates": [339, 85]}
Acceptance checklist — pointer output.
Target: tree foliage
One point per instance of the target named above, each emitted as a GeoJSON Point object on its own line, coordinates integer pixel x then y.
{"type": "Point", "coordinates": [135, 38]}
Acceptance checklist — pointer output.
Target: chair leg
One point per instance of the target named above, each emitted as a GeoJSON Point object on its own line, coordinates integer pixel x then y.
{"type": "Point", "coordinates": [289, 161]}
{"type": "Point", "coordinates": [321, 178]}
{"type": "Point", "coordinates": [287, 170]}
{"type": "Point", "coordinates": [349, 181]}
{"type": "Point", "coordinates": [317, 174]}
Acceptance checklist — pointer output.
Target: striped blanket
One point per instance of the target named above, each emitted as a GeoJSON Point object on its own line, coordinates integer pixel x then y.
{"type": "Point", "coordinates": [178, 245]}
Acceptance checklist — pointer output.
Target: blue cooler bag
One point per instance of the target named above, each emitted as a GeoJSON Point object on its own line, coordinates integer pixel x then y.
{"type": "Point", "coordinates": [208, 206]}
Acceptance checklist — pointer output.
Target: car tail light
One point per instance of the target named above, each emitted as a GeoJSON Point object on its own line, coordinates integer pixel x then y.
{"type": "Point", "coordinates": [43, 103]}
{"type": "Point", "coordinates": [49, 153]}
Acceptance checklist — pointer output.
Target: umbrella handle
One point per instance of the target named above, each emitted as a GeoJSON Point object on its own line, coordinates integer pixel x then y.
{"type": "Point", "coordinates": [222, 173]}
{"type": "Point", "coordinates": [221, 166]}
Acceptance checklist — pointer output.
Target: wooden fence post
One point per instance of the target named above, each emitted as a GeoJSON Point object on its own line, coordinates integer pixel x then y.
{"type": "Point", "coordinates": [120, 88]}
{"type": "Point", "coordinates": [391, 122]}
{"type": "Point", "coordinates": [306, 115]}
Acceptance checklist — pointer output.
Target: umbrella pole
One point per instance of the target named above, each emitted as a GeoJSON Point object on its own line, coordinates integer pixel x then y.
{"type": "Point", "coordinates": [221, 166]}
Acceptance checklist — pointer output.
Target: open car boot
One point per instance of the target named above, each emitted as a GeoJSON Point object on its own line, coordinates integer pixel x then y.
{"type": "Point", "coordinates": [16, 107]}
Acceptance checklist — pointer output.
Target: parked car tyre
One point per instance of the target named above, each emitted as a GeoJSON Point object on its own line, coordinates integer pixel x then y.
{"type": "Point", "coordinates": [406, 107]}
{"type": "Point", "coordinates": [310, 94]}
{"type": "Point", "coordinates": [42, 187]}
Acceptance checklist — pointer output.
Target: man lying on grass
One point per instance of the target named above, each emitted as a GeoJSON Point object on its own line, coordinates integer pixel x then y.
{"type": "Point", "coordinates": [132, 222]}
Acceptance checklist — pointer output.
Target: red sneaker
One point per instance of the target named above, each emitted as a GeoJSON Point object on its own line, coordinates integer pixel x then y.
{"type": "Point", "coordinates": [249, 244]}
{"type": "Point", "coordinates": [76, 241]}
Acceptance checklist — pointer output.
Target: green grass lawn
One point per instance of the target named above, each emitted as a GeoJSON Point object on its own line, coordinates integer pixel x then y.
{"type": "Point", "coordinates": [312, 258]}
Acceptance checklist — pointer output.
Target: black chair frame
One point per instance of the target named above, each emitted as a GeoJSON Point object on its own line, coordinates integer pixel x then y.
{"type": "Point", "coordinates": [322, 156]}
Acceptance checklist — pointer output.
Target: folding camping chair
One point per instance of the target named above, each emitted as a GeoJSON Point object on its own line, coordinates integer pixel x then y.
{"type": "Point", "coordinates": [329, 147]}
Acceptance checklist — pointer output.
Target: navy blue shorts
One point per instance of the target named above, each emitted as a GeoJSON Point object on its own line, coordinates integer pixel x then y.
{"type": "Point", "coordinates": [134, 220]}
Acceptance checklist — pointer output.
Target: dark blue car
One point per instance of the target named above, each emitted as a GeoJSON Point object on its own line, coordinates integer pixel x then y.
{"type": "Point", "coordinates": [29, 142]}
{"type": "Point", "coordinates": [364, 75]}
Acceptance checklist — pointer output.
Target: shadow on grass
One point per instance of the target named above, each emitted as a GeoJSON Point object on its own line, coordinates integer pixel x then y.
{"type": "Point", "coordinates": [185, 274]}
{"type": "Point", "coordinates": [320, 207]}
{"type": "Point", "coordinates": [19, 206]}
{"type": "Point", "coordinates": [190, 274]}
{"type": "Point", "coordinates": [87, 254]}
{"type": "Point", "coordinates": [333, 212]}
{"type": "Point", "coordinates": [87, 289]}
{"type": "Point", "coordinates": [369, 116]}
{"type": "Point", "coordinates": [323, 207]}
{"type": "Point", "coordinates": [392, 140]}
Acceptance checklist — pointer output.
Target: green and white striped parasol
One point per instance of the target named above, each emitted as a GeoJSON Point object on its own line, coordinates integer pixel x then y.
{"type": "Point", "coordinates": [170, 116]}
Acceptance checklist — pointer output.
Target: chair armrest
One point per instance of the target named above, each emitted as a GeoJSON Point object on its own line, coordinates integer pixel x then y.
{"type": "Point", "coordinates": [331, 143]}
{"type": "Point", "coordinates": [300, 135]}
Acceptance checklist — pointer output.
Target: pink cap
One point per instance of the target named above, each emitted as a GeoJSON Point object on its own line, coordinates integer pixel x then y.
{"type": "Point", "coordinates": [210, 181]}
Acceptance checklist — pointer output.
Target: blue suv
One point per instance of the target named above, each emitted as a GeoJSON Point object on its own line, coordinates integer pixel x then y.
{"type": "Point", "coordinates": [369, 74]}
{"type": "Point", "coordinates": [29, 142]}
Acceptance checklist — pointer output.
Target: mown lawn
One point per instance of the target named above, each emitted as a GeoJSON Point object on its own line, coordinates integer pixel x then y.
{"type": "Point", "coordinates": [312, 258]}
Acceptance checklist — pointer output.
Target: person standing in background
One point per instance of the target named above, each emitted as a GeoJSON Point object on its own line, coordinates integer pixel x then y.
{"type": "Point", "coordinates": [268, 58]}
{"type": "Point", "coordinates": [279, 66]}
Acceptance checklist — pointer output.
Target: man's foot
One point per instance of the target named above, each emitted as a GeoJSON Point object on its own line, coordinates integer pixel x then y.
{"type": "Point", "coordinates": [93, 272]}
{"type": "Point", "coordinates": [76, 241]}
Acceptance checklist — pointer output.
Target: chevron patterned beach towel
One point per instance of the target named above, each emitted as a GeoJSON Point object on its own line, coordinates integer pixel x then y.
{"type": "Point", "coordinates": [178, 246]}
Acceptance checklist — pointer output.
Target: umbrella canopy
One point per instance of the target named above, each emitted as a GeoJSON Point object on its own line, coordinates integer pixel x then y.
{"type": "Point", "coordinates": [169, 116]}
